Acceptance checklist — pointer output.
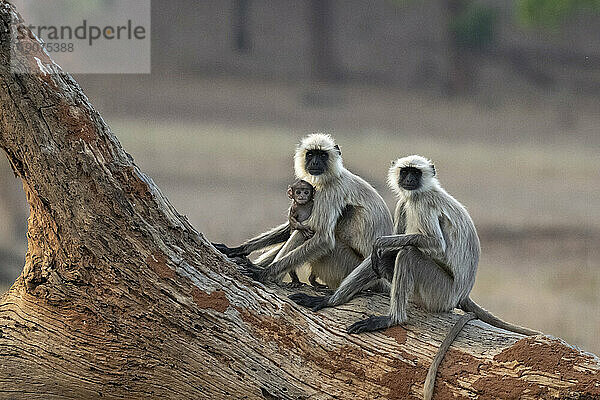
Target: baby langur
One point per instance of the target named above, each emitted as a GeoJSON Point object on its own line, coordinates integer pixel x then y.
{"type": "Point", "coordinates": [301, 193]}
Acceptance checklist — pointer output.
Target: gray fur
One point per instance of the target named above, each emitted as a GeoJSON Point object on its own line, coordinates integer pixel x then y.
{"type": "Point", "coordinates": [268, 256]}
{"type": "Point", "coordinates": [438, 250]}
{"type": "Point", "coordinates": [295, 240]}
{"type": "Point", "coordinates": [271, 237]}
{"type": "Point", "coordinates": [442, 238]}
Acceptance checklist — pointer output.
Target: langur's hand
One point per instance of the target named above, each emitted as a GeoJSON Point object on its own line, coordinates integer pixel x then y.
{"type": "Point", "coordinates": [379, 243]}
{"type": "Point", "coordinates": [230, 251]}
{"type": "Point", "coordinates": [294, 224]}
{"type": "Point", "coordinates": [307, 233]}
{"type": "Point", "coordinates": [376, 255]}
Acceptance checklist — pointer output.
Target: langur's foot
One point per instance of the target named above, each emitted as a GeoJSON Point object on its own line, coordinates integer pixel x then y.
{"type": "Point", "coordinates": [370, 324]}
{"type": "Point", "coordinates": [293, 284]}
{"type": "Point", "coordinates": [251, 270]}
{"type": "Point", "coordinates": [315, 303]}
{"type": "Point", "coordinates": [315, 284]}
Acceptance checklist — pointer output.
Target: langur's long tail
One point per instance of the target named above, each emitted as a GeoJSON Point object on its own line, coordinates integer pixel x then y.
{"type": "Point", "coordinates": [437, 360]}
{"type": "Point", "coordinates": [473, 311]}
{"type": "Point", "coordinates": [469, 305]}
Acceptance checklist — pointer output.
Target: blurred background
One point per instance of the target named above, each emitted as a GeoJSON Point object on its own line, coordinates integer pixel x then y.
{"type": "Point", "coordinates": [503, 96]}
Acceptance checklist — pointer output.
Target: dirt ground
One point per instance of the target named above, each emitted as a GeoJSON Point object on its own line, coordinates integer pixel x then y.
{"type": "Point", "coordinates": [527, 170]}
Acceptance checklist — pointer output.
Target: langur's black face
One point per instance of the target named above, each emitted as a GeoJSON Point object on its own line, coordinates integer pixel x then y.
{"type": "Point", "coordinates": [410, 178]}
{"type": "Point", "coordinates": [303, 194]}
{"type": "Point", "coordinates": [316, 161]}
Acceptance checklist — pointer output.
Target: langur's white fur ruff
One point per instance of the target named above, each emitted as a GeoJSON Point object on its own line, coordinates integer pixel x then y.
{"type": "Point", "coordinates": [318, 141]}
{"type": "Point", "coordinates": [429, 179]}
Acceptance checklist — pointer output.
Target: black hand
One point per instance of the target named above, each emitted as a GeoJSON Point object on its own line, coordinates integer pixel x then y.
{"type": "Point", "coordinates": [221, 247]}
{"type": "Point", "coordinates": [375, 262]}
{"type": "Point", "coordinates": [230, 251]}
{"type": "Point", "coordinates": [250, 269]}
{"type": "Point", "coordinates": [315, 303]}
{"type": "Point", "coordinates": [307, 233]}
{"type": "Point", "coordinates": [370, 324]}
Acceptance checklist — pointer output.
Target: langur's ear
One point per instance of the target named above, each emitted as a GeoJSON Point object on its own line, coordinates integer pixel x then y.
{"type": "Point", "coordinates": [433, 169]}
{"type": "Point", "coordinates": [338, 149]}
{"type": "Point", "coordinates": [392, 163]}
{"type": "Point", "coordinates": [290, 192]}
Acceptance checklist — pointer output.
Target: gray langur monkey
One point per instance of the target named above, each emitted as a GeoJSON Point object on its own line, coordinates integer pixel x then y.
{"type": "Point", "coordinates": [302, 195]}
{"type": "Point", "coordinates": [347, 216]}
{"type": "Point", "coordinates": [436, 251]}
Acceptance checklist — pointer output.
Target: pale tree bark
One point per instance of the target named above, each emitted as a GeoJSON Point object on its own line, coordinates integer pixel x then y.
{"type": "Point", "coordinates": [121, 298]}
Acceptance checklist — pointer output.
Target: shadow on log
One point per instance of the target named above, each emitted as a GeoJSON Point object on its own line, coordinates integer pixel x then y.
{"type": "Point", "coordinates": [120, 297]}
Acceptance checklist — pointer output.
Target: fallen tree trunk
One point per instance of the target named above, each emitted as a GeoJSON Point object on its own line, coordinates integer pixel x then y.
{"type": "Point", "coordinates": [121, 298]}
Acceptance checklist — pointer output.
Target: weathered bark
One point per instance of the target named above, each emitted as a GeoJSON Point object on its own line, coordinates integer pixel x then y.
{"type": "Point", "coordinates": [121, 298]}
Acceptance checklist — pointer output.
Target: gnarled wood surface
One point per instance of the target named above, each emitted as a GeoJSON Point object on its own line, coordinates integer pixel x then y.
{"type": "Point", "coordinates": [121, 298]}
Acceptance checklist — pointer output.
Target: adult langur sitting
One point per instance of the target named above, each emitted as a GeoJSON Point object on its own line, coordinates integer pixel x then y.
{"type": "Point", "coordinates": [348, 215]}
